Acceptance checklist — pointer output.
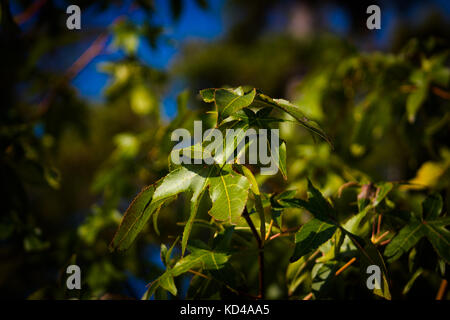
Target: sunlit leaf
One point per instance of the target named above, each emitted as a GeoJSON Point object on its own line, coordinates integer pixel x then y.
{"type": "Point", "coordinates": [228, 102]}
{"type": "Point", "coordinates": [228, 195]}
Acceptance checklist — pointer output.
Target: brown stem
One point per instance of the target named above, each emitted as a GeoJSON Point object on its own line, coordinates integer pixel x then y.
{"type": "Point", "coordinates": [287, 232]}
{"type": "Point", "coordinates": [441, 291]}
{"type": "Point", "coordinates": [308, 296]}
{"type": "Point", "coordinates": [379, 223]}
{"type": "Point", "coordinates": [441, 93]}
{"type": "Point", "coordinates": [260, 254]}
{"type": "Point", "coordinates": [345, 266]}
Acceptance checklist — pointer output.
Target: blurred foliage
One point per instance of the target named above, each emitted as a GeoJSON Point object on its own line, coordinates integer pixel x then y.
{"type": "Point", "coordinates": [70, 167]}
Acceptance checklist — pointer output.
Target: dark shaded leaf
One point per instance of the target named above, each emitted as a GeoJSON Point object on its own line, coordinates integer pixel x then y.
{"type": "Point", "coordinates": [313, 234]}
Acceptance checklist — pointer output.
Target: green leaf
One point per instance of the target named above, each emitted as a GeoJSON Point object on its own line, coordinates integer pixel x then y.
{"type": "Point", "coordinates": [418, 96]}
{"type": "Point", "coordinates": [322, 277]}
{"type": "Point", "coordinates": [228, 194]}
{"type": "Point", "coordinates": [440, 222]}
{"type": "Point", "coordinates": [166, 254]}
{"type": "Point", "coordinates": [207, 94]}
{"type": "Point", "coordinates": [151, 290]}
{"type": "Point", "coordinates": [126, 36]}
{"type": "Point", "coordinates": [222, 241]}
{"type": "Point", "coordinates": [363, 200]}
{"type": "Point", "coordinates": [33, 243]}
{"type": "Point", "coordinates": [373, 257]}
{"type": "Point", "coordinates": [142, 100]}
{"type": "Point", "coordinates": [228, 191]}
{"type": "Point", "coordinates": [297, 272]}
{"type": "Point", "coordinates": [199, 258]}
{"type": "Point", "coordinates": [332, 249]}
{"type": "Point", "coordinates": [133, 220]}
{"type": "Point", "coordinates": [166, 282]}
{"type": "Point", "coordinates": [411, 281]}
{"type": "Point", "coordinates": [278, 206]}
{"type": "Point", "coordinates": [230, 101]}
{"type": "Point", "coordinates": [359, 224]}
{"type": "Point", "coordinates": [147, 202]}
{"type": "Point", "coordinates": [295, 112]}
{"type": "Point", "coordinates": [404, 241]}
{"type": "Point", "coordinates": [163, 254]}
{"type": "Point", "coordinates": [313, 234]}
{"type": "Point", "coordinates": [282, 160]}
{"type": "Point", "coordinates": [177, 181]}
{"type": "Point", "coordinates": [439, 237]}
{"type": "Point", "coordinates": [251, 178]}
{"type": "Point", "coordinates": [432, 207]}
{"type": "Point", "coordinates": [198, 186]}
{"type": "Point", "coordinates": [316, 204]}
{"type": "Point", "coordinates": [232, 139]}
{"type": "Point", "coordinates": [382, 191]}
{"type": "Point", "coordinates": [434, 228]}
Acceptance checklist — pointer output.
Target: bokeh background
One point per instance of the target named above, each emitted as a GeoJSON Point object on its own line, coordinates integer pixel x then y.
{"type": "Point", "coordinates": [86, 117]}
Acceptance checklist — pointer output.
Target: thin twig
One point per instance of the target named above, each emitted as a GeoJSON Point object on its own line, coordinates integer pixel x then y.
{"type": "Point", "coordinates": [308, 296]}
{"type": "Point", "coordinates": [442, 288]}
{"type": "Point", "coordinates": [252, 227]}
{"type": "Point", "coordinates": [346, 185]}
{"type": "Point", "coordinates": [345, 266]}
{"type": "Point", "coordinates": [199, 274]}
{"type": "Point", "coordinates": [373, 229]}
{"type": "Point", "coordinates": [260, 254]}
{"type": "Point", "coordinates": [379, 223]}
{"type": "Point", "coordinates": [441, 93]}
{"type": "Point", "coordinates": [287, 232]}
{"type": "Point", "coordinates": [275, 236]}
{"type": "Point", "coordinates": [382, 236]}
